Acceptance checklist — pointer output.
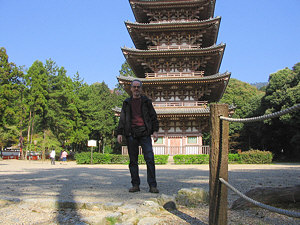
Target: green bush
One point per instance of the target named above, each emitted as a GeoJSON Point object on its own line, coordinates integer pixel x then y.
{"type": "Point", "coordinates": [158, 159]}
{"type": "Point", "coordinates": [83, 158]}
{"type": "Point", "coordinates": [119, 159]}
{"type": "Point", "coordinates": [107, 149]}
{"type": "Point", "coordinates": [99, 158]}
{"type": "Point", "coordinates": [161, 159]}
{"type": "Point", "coordinates": [234, 158]}
{"type": "Point", "coordinates": [256, 157]}
{"type": "Point", "coordinates": [249, 157]}
{"type": "Point", "coordinates": [191, 159]}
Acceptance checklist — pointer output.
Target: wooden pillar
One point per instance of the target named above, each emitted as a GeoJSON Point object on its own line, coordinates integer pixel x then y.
{"type": "Point", "coordinates": [92, 155]}
{"type": "Point", "coordinates": [218, 164]}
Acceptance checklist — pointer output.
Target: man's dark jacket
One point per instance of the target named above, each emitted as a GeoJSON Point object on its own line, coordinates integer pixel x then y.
{"type": "Point", "coordinates": [148, 114]}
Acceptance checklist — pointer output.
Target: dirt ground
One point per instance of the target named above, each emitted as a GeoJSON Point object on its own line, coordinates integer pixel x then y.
{"type": "Point", "coordinates": [25, 180]}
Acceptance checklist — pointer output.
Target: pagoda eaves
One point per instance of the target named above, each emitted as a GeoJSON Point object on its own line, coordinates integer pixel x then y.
{"type": "Point", "coordinates": [194, 33]}
{"type": "Point", "coordinates": [207, 60]}
{"type": "Point", "coordinates": [210, 88]}
{"type": "Point", "coordinates": [151, 11]}
{"type": "Point", "coordinates": [211, 78]}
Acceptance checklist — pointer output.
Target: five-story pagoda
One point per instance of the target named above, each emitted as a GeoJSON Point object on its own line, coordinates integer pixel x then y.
{"type": "Point", "coordinates": [177, 59]}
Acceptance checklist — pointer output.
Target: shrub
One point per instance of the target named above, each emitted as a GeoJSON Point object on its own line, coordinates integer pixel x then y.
{"type": "Point", "coordinates": [191, 159]}
{"type": "Point", "coordinates": [99, 158]}
{"type": "Point", "coordinates": [107, 149]}
{"type": "Point", "coordinates": [158, 159]}
{"type": "Point", "coordinates": [161, 159]}
{"type": "Point", "coordinates": [119, 159]}
{"type": "Point", "coordinates": [234, 158]}
{"type": "Point", "coordinates": [249, 157]}
{"type": "Point", "coordinates": [256, 157]}
{"type": "Point", "coordinates": [83, 158]}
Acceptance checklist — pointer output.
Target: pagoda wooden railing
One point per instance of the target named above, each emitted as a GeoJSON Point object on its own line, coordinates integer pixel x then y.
{"type": "Point", "coordinates": [180, 104]}
{"type": "Point", "coordinates": [175, 150]}
{"type": "Point", "coordinates": [168, 20]}
{"type": "Point", "coordinates": [173, 47]}
{"type": "Point", "coordinates": [175, 74]}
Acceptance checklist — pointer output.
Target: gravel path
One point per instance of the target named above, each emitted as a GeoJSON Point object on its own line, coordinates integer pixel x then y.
{"type": "Point", "coordinates": [23, 180]}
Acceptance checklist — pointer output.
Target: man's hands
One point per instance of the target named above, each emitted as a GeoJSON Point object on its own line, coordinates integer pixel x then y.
{"type": "Point", "coordinates": [155, 136]}
{"type": "Point", "coordinates": [119, 138]}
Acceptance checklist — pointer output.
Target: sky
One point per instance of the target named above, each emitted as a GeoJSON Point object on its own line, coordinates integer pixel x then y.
{"type": "Point", "coordinates": [261, 36]}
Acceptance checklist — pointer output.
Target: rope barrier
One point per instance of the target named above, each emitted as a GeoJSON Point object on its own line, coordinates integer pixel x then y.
{"type": "Point", "coordinates": [271, 208]}
{"type": "Point", "coordinates": [264, 117]}
{"type": "Point", "coordinates": [255, 119]}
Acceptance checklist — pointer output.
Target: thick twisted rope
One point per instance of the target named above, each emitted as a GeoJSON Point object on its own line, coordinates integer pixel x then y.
{"type": "Point", "coordinates": [264, 117]}
{"type": "Point", "coordinates": [270, 208]}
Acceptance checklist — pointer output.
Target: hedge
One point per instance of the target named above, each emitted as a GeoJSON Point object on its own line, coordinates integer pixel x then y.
{"type": "Point", "coordinates": [256, 157]}
{"type": "Point", "coordinates": [99, 158]}
{"type": "Point", "coordinates": [191, 159]}
{"type": "Point", "coordinates": [248, 157]}
{"type": "Point", "coordinates": [234, 158]}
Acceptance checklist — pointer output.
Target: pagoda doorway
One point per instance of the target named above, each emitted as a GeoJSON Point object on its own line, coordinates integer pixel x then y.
{"type": "Point", "coordinates": [175, 145]}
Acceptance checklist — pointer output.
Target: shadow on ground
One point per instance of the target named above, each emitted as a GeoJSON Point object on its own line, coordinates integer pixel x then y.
{"type": "Point", "coordinates": [110, 183]}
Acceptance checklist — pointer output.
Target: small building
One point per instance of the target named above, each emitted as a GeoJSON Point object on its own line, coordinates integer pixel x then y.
{"type": "Point", "coordinates": [15, 153]}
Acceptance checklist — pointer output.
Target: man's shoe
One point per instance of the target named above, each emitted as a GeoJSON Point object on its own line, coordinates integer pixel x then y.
{"type": "Point", "coordinates": [153, 190]}
{"type": "Point", "coordinates": [134, 189]}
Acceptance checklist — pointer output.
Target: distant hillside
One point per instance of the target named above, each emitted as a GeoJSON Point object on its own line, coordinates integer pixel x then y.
{"type": "Point", "coordinates": [259, 85]}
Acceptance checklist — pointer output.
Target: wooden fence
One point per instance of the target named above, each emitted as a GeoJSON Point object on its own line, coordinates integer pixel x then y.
{"type": "Point", "coordinates": [175, 150]}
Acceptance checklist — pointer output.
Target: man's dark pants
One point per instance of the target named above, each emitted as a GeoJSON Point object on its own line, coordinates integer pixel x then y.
{"type": "Point", "coordinates": [133, 151]}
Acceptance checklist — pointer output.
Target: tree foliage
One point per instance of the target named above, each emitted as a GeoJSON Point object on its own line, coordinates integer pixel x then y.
{"type": "Point", "coordinates": [279, 135]}
{"type": "Point", "coordinates": [53, 110]}
{"type": "Point", "coordinates": [244, 97]}
{"type": "Point", "coordinates": [11, 90]}
{"type": "Point", "coordinates": [282, 134]}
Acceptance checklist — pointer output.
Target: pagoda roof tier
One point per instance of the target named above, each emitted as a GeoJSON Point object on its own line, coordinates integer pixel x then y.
{"type": "Point", "coordinates": [146, 11]}
{"type": "Point", "coordinates": [146, 81]}
{"type": "Point", "coordinates": [187, 112]}
{"type": "Point", "coordinates": [177, 111]}
{"type": "Point", "coordinates": [204, 33]}
{"type": "Point", "coordinates": [196, 59]}
{"type": "Point", "coordinates": [180, 112]}
{"type": "Point", "coordinates": [209, 88]}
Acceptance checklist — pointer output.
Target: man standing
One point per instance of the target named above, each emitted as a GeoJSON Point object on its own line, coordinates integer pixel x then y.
{"type": "Point", "coordinates": [52, 156]}
{"type": "Point", "coordinates": [138, 120]}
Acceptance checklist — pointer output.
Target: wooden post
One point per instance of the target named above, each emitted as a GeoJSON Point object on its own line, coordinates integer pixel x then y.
{"type": "Point", "coordinates": [218, 164]}
{"type": "Point", "coordinates": [92, 155]}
